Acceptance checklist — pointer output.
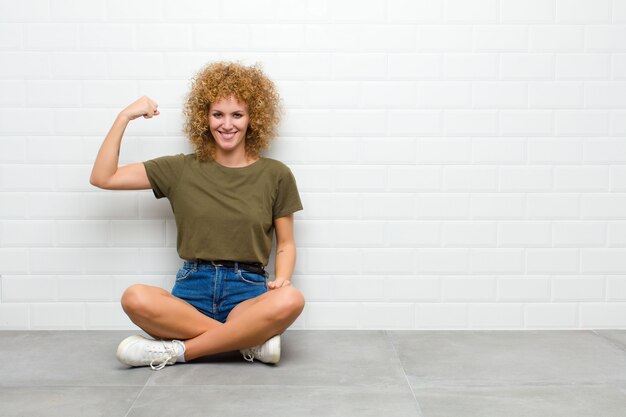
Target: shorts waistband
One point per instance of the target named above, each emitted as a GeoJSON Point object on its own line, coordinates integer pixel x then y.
{"type": "Point", "coordinates": [256, 268]}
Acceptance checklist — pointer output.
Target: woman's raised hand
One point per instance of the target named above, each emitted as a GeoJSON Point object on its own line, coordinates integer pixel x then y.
{"type": "Point", "coordinates": [143, 106]}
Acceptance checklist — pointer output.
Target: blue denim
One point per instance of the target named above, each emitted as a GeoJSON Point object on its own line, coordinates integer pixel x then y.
{"type": "Point", "coordinates": [214, 290]}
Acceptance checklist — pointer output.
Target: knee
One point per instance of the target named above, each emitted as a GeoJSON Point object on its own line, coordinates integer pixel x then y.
{"type": "Point", "coordinates": [290, 304]}
{"type": "Point", "coordinates": [135, 300]}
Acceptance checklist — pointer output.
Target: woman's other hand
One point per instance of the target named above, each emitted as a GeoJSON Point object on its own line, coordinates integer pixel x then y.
{"type": "Point", "coordinates": [277, 283]}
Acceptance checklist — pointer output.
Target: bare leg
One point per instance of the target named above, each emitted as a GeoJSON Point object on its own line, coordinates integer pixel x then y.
{"type": "Point", "coordinates": [162, 315]}
{"type": "Point", "coordinates": [250, 323]}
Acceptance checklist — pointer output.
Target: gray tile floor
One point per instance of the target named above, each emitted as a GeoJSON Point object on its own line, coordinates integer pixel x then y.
{"type": "Point", "coordinates": [325, 373]}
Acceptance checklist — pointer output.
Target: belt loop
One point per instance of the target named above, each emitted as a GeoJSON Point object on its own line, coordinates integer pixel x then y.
{"type": "Point", "coordinates": [236, 266]}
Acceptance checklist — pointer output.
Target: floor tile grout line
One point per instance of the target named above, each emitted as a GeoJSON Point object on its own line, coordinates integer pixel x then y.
{"type": "Point", "coordinates": [419, 409]}
{"type": "Point", "coordinates": [138, 395]}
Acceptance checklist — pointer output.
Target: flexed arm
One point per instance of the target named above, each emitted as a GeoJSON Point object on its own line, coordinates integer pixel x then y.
{"type": "Point", "coordinates": [106, 173]}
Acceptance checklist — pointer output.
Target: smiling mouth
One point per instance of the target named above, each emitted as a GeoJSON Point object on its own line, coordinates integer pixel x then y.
{"type": "Point", "coordinates": [229, 135]}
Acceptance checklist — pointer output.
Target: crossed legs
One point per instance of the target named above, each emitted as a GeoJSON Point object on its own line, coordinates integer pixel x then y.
{"type": "Point", "coordinates": [250, 323]}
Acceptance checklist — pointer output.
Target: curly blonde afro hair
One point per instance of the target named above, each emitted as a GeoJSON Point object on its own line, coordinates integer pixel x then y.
{"type": "Point", "coordinates": [248, 85]}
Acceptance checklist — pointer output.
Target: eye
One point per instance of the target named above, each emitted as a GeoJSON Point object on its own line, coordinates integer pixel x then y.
{"type": "Point", "coordinates": [217, 114]}
{"type": "Point", "coordinates": [238, 115]}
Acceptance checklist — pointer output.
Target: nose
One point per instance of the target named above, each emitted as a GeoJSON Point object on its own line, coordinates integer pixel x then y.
{"type": "Point", "coordinates": [228, 123]}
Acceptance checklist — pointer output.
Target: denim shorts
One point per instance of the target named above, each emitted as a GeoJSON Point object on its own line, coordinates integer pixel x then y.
{"type": "Point", "coordinates": [216, 290]}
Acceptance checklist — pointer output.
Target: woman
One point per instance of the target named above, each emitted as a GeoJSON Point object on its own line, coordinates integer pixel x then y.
{"type": "Point", "coordinates": [227, 200]}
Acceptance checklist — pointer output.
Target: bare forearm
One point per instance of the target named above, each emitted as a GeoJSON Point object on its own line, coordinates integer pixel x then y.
{"type": "Point", "coordinates": [108, 157]}
{"type": "Point", "coordinates": [285, 261]}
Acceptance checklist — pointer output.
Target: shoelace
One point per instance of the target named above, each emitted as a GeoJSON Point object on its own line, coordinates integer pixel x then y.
{"type": "Point", "coordinates": [249, 354]}
{"type": "Point", "coordinates": [169, 352]}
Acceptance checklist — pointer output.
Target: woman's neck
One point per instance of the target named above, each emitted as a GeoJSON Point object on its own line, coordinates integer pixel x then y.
{"type": "Point", "coordinates": [234, 160]}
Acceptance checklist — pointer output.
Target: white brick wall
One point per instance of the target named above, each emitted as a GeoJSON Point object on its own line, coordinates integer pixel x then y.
{"type": "Point", "coordinates": [462, 163]}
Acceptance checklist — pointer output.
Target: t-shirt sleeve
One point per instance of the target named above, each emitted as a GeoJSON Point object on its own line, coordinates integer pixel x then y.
{"type": "Point", "coordinates": [287, 198]}
{"type": "Point", "coordinates": [164, 173]}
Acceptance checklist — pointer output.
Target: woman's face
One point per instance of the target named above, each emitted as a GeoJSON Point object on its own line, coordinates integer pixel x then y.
{"type": "Point", "coordinates": [228, 122]}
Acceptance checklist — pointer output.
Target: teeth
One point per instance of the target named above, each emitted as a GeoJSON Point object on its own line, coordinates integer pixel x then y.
{"type": "Point", "coordinates": [227, 135]}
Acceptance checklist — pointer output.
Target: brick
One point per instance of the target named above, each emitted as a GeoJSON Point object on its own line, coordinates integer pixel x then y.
{"type": "Point", "coordinates": [583, 11]}
{"type": "Point", "coordinates": [470, 122]}
{"type": "Point", "coordinates": [474, 11]}
{"type": "Point", "coordinates": [414, 178]}
{"type": "Point", "coordinates": [469, 234]}
{"type": "Point", "coordinates": [412, 234]}
{"type": "Point", "coordinates": [496, 316]}
{"type": "Point", "coordinates": [441, 316]}
{"type": "Point", "coordinates": [384, 94]}
{"type": "Point", "coordinates": [605, 94]}
{"type": "Point", "coordinates": [58, 316]}
{"type": "Point", "coordinates": [579, 234]}
{"type": "Point", "coordinates": [387, 206]}
{"type": "Point", "coordinates": [524, 234]}
{"type": "Point", "coordinates": [496, 261]}
{"type": "Point", "coordinates": [51, 36]}
{"type": "Point", "coordinates": [357, 288]}
{"type": "Point", "coordinates": [578, 289]}
{"type": "Point", "coordinates": [496, 206]}
{"type": "Point", "coordinates": [108, 36]}
{"type": "Point", "coordinates": [394, 261]}
{"type": "Point", "coordinates": [357, 234]}
{"type": "Point", "coordinates": [470, 178]}
{"type": "Point", "coordinates": [444, 95]}
{"type": "Point", "coordinates": [559, 95]}
{"type": "Point", "coordinates": [364, 178]}
{"type": "Point", "coordinates": [583, 66]}
{"type": "Point", "coordinates": [442, 206]}
{"type": "Point", "coordinates": [603, 206]}
{"type": "Point", "coordinates": [498, 150]}
{"type": "Point", "coordinates": [386, 316]}
{"type": "Point", "coordinates": [415, 66]}
{"type": "Point", "coordinates": [414, 122]}
{"type": "Point", "coordinates": [415, 289]}
{"type": "Point", "coordinates": [604, 150]}
{"type": "Point", "coordinates": [558, 38]}
{"type": "Point", "coordinates": [526, 66]}
{"type": "Point", "coordinates": [602, 315]}
{"type": "Point", "coordinates": [581, 122]}
{"type": "Point", "coordinates": [605, 38]}
{"type": "Point", "coordinates": [332, 315]}
{"type": "Point", "coordinates": [275, 37]}
{"type": "Point", "coordinates": [551, 316]}
{"type": "Point", "coordinates": [448, 38]}
{"type": "Point", "coordinates": [442, 261]}
{"type": "Point", "coordinates": [500, 38]}
{"type": "Point", "coordinates": [589, 178]}
{"type": "Point", "coordinates": [553, 206]}
{"type": "Point", "coordinates": [529, 179]}
{"type": "Point", "coordinates": [468, 289]}
{"type": "Point", "coordinates": [415, 11]}
{"type": "Point", "coordinates": [525, 122]}
{"type": "Point", "coordinates": [499, 95]}
{"type": "Point", "coordinates": [523, 289]}
{"type": "Point", "coordinates": [531, 11]}
{"type": "Point", "coordinates": [554, 151]}
{"type": "Point", "coordinates": [470, 66]}
{"type": "Point", "coordinates": [552, 261]}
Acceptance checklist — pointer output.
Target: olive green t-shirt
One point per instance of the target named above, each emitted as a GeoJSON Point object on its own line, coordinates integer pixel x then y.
{"type": "Point", "coordinates": [224, 213]}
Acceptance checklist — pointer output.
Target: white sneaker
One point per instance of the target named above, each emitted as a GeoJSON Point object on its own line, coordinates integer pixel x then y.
{"type": "Point", "coordinates": [140, 351]}
{"type": "Point", "coordinates": [268, 352]}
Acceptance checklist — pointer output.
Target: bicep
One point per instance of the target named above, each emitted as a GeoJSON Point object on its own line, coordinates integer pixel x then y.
{"type": "Point", "coordinates": [128, 177]}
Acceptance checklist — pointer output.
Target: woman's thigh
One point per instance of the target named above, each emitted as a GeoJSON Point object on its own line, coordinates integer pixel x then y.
{"type": "Point", "coordinates": [162, 315]}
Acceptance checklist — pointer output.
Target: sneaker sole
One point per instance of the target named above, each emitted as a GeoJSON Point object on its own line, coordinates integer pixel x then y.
{"type": "Point", "coordinates": [130, 340]}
